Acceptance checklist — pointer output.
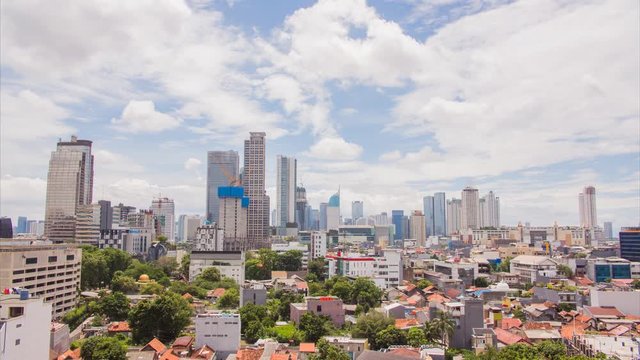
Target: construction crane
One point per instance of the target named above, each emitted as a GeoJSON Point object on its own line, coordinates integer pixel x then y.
{"type": "Point", "coordinates": [233, 180]}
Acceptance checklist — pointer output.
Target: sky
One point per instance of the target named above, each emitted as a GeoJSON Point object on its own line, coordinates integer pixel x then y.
{"type": "Point", "coordinates": [387, 100]}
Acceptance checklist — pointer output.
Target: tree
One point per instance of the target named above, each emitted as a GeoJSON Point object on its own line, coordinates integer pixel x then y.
{"type": "Point", "coordinates": [167, 264]}
{"type": "Point", "coordinates": [184, 266]}
{"type": "Point", "coordinates": [635, 284]}
{"type": "Point", "coordinates": [343, 290]}
{"type": "Point", "coordinates": [152, 270]}
{"type": "Point", "coordinates": [210, 274]}
{"type": "Point", "coordinates": [365, 293]}
{"type": "Point", "coordinates": [95, 271]}
{"type": "Point", "coordinates": [254, 331]}
{"type": "Point", "coordinates": [518, 352]}
{"type": "Point", "coordinates": [103, 348]}
{"type": "Point", "coordinates": [162, 239]}
{"type": "Point", "coordinates": [289, 261]}
{"type": "Point", "coordinates": [551, 350]}
{"type": "Point", "coordinates": [117, 260]}
{"type": "Point", "coordinates": [230, 299]}
{"type": "Point", "coordinates": [124, 284]}
{"type": "Point", "coordinates": [481, 282]}
{"type": "Point", "coordinates": [286, 298]}
{"type": "Point", "coordinates": [565, 270]}
{"type": "Point", "coordinates": [164, 318]}
{"type": "Point", "coordinates": [519, 314]}
{"type": "Point", "coordinates": [329, 351]}
{"type": "Point", "coordinates": [115, 306]}
{"type": "Point", "coordinates": [390, 336]}
{"type": "Point", "coordinates": [255, 270]}
{"type": "Point", "coordinates": [369, 325]}
{"type": "Point", "coordinates": [443, 326]}
{"type": "Point", "coordinates": [314, 326]}
{"type": "Point", "coordinates": [151, 289]}
{"type": "Point", "coordinates": [316, 267]}
{"type": "Point", "coordinates": [505, 265]}
{"type": "Point", "coordinates": [250, 313]}
{"type": "Point", "coordinates": [416, 337]}
{"type": "Point", "coordinates": [423, 283]}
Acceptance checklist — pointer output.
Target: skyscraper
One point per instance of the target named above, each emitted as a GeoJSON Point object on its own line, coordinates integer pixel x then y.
{"type": "Point", "coordinates": [253, 182]}
{"type": "Point", "coordinates": [490, 210]}
{"type": "Point", "coordinates": [440, 214]}
{"type": "Point", "coordinates": [322, 220]}
{"type": "Point", "coordinates": [427, 206]}
{"type": "Point", "coordinates": [120, 214]}
{"type": "Point", "coordinates": [87, 230]}
{"type": "Point", "coordinates": [302, 209]}
{"type": "Point", "coordinates": [6, 228]}
{"type": "Point", "coordinates": [396, 219]}
{"type": "Point", "coordinates": [233, 217]}
{"type": "Point", "coordinates": [106, 215]}
{"type": "Point", "coordinates": [418, 228]}
{"type": "Point", "coordinates": [470, 209]}
{"type": "Point", "coordinates": [164, 212]}
{"type": "Point", "coordinates": [587, 207]}
{"type": "Point", "coordinates": [223, 167]}
{"type": "Point", "coordinates": [630, 243]}
{"type": "Point", "coordinates": [21, 228]}
{"type": "Point", "coordinates": [454, 215]}
{"type": "Point", "coordinates": [333, 212]}
{"type": "Point", "coordinates": [608, 230]}
{"type": "Point", "coordinates": [357, 210]}
{"type": "Point", "coordinates": [285, 190]}
{"type": "Point", "coordinates": [69, 184]}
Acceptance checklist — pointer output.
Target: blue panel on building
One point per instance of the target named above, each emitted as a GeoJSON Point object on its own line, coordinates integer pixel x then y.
{"type": "Point", "coordinates": [236, 192]}
{"type": "Point", "coordinates": [245, 202]}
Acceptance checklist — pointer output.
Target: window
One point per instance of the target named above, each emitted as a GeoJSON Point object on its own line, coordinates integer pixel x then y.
{"type": "Point", "coordinates": [17, 342]}
{"type": "Point", "coordinates": [31, 261]}
{"type": "Point", "coordinates": [319, 308]}
{"type": "Point", "coordinates": [70, 257]}
{"type": "Point", "coordinates": [15, 311]}
{"type": "Point", "coordinates": [53, 259]}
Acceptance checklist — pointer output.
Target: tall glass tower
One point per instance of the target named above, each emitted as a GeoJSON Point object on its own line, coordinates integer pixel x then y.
{"type": "Point", "coordinates": [223, 167]}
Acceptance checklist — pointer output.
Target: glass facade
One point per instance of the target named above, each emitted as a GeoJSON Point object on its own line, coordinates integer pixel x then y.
{"type": "Point", "coordinates": [440, 214]}
{"type": "Point", "coordinates": [630, 244]}
{"type": "Point", "coordinates": [396, 219]}
{"type": "Point", "coordinates": [222, 167]}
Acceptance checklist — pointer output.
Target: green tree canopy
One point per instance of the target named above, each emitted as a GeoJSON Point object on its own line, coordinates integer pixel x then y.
{"type": "Point", "coordinates": [565, 270]}
{"type": "Point", "coordinates": [314, 326]}
{"type": "Point", "coordinates": [416, 337]}
{"type": "Point", "coordinates": [481, 282]}
{"type": "Point", "coordinates": [288, 261]}
{"type": "Point", "coordinates": [316, 267]}
{"type": "Point", "coordinates": [115, 306]}
{"type": "Point", "coordinates": [369, 325]}
{"type": "Point", "coordinates": [210, 274]}
{"type": "Point", "coordinates": [164, 318]}
{"type": "Point", "coordinates": [328, 351]}
{"type": "Point", "coordinates": [230, 299]}
{"type": "Point", "coordinates": [390, 336]}
{"type": "Point", "coordinates": [103, 348]}
{"type": "Point", "coordinates": [124, 284]}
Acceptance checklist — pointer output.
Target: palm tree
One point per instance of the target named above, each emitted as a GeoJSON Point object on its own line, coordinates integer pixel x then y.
{"type": "Point", "coordinates": [443, 325]}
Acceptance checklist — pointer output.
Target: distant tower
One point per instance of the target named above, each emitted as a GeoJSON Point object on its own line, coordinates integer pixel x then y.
{"type": "Point", "coordinates": [164, 212]}
{"type": "Point", "coordinates": [440, 214]}
{"type": "Point", "coordinates": [357, 210]}
{"type": "Point", "coordinates": [223, 167]}
{"type": "Point", "coordinates": [233, 217]}
{"type": "Point", "coordinates": [587, 206]}
{"type": "Point", "coordinates": [253, 182]}
{"type": "Point", "coordinates": [428, 207]}
{"type": "Point", "coordinates": [303, 210]}
{"type": "Point", "coordinates": [285, 190]}
{"type": "Point", "coordinates": [470, 209]}
{"type": "Point", "coordinates": [69, 185]}
{"type": "Point", "coordinates": [397, 217]}
{"type": "Point", "coordinates": [490, 210]}
{"type": "Point", "coordinates": [417, 228]}
{"type": "Point", "coordinates": [454, 215]}
{"type": "Point", "coordinates": [333, 212]}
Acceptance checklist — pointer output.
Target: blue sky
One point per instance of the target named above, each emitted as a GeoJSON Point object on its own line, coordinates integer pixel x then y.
{"type": "Point", "coordinates": [390, 100]}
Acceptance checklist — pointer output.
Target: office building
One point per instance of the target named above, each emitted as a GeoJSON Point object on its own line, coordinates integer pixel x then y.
{"type": "Point", "coordinates": [285, 191]}
{"type": "Point", "coordinates": [385, 269]}
{"type": "Point", "coordinates": [6, 228]}
{"type": "Point", "coordinates": [234, 212]}
{"type": "Point", "coordinates": [209, 237]}
{"type": "Point", "coordinates": [428, 211]}
{"type": "Point", "coordinates": [630, 243]}
{"type": "Point", "coordinates": [253, 182]}
{"type": "Point", "coordinates": [333, 212]}
{"type": "Point", "coordinates": [230, 263]}
{"type": "Point", "coordinates": [187, 225]}
{"type": "Point", "coordinates": [164, 212]}
{"type": "Point", "coordinates": [396, 220]}
{"type": "Point", "coordinates": [490, 210]}
{"type": "Point", "coordinates": [587, 207]}
{"type": "Point", "coordinates": [323, 216]}
{"type": "Point", "coordinates": [418, 228]}
{"type": "Point", "coordinates": [48, 271]}
{"type": "Point", "coordinates": [69, 184]}
{"type": "Point", "coordinates": [106, 215]}
{"type": "Point", "coordinates": [219, 331]}
{"type": "Point", "coordinates": [439, 214]}
{"type": "Point", "coordinates": [21, 228]}
{"type": "Point", "coordinates": [608, 230]}
{"type": "Point", "coordinates": [314, 219]}
{"type": "Point", "coordinates": [357, 210]}
{"type": "Point", "coordinates": [318, 244]}
{"type": "Point", "coordinates": [380, 219]}
{"type": "Point", "coordinates": [302, 209]}
{"type": "Point", "coordinates": [530, 267]}
{"type": "Point", "coordinates": [605, 269]}
{"type": "Point", "coordinates": [223, 169]}
{"type": "Point", "coordinates": [88, 224]}
{"type": "Point", "coordinates": [120, 214]}
{"type": "Point", "coordinates": [25, 324]}
{"type": "Point", "coordinates": [454, 215]}
{"type": "Point", "coordinates": [470, 209]}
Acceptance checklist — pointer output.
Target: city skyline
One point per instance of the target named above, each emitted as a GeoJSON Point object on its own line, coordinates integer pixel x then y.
{"type": "Point", "coordinates": [376, 130]}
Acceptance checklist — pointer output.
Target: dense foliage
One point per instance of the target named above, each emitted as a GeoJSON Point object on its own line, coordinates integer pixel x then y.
{"type": "Point", "coordinates": [259, 266]}
{"type": "Point", "coordinates": [369, 325]}
{"type": "Point", "coordinates": [329, 351]}
{"type": "Point", "coordinates": [545, 350]}
{"type": "Point", "coordinates": [164, 317]}
{"type": "Point", "coordinates": [103, 348]}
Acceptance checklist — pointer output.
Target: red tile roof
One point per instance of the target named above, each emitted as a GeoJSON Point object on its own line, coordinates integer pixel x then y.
{"type": "Point", "coordinates": [437, 298]}
{"type": "Point", "coordinates": [619, 330]}
{"type": "Point", "coordinates": [217, 293]}
{"type": "Point", "coordinates": [598, 311]}
{"type": "Point", "coordinates": [301, 285]}
{"type": "Point", "coordinates": [169, 355]}
{"type": "Point", "coordinates": [119, 326]}
{"type": "Point", "coordinates": [583, 281]}
{"type": "Point", "coordinates": [284, 355]}
{"type": "Point", "coordinates": [452, 293]}
{"type": "Point", "coordinates": [307, 347]}
{"type": "Point", "coordinates": [249, 354]}
{"type": "Point", "coordinates": [205, 352]}
{"type": "Point", "coordinates": [70, 355]}
{"type": "Point", "coordinates": [406, 323]}
{"type": "Point", "coordinates": [415, 299]}
{"type": "Point", "coordinates": [156, 345]}
{"type": "Point", "coordinates": [406, 353]}
{"type": "Point", "coordinates": [508, 338]}
{"type": "Point", "coordinates": [575, 327]}
{"type": "Point", "coordinates": [508, 323]}
{"type": "Point", "coordinates": [183, 341]}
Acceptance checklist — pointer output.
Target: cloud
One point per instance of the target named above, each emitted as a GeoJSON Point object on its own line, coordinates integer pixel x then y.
{"type": "Point", "coordinates": [142, 117]}
{"type": "Point", "coordinates": [22, 196]}
{"type": "Point", "coordinates": [192, 163]}
{"type": "Point", "coordinates": [334, 148]}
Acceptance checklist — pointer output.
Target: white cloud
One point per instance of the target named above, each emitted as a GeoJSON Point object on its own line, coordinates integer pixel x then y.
{"type": "Point", "coordinates": [22, 196]}
{"type": "Point", "coordinates": [334, 148]}
{"type": "Point", "coordinates": [192, 163]}
{"type": "Point", "coordinates": [141, 117]}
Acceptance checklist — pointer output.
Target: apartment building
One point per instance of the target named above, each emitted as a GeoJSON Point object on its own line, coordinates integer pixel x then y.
{"type": "Point", "coordinates": [219, 331]}
{"type": "Point", "coordinates": [384, 270]}
{"type": "Point", "coordinates": [24, 327]}
{"type": "Point", "coordinates": [529, 267]}
{"type": "Point", "coordinates": [230, 263]}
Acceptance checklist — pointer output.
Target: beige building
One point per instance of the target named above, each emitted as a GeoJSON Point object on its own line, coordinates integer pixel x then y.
{"type": "Point", "coordinates": [418, 228]}
{"type": "Point", "coordinates": [51, 272]}
{"type": "Point", "coordinates": [470, 218]}
{"type": "Point", "coordinates": [88, 224]}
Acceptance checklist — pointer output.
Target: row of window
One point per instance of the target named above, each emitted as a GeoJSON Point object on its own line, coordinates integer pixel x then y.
{"type": "Point", "coordinates": [34, 260]}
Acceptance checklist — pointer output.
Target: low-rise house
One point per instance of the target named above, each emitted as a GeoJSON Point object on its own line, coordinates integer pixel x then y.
{"type": "Point", "coordinates": [538, 335]}
{"type": "Point", "coordinates": [506, 338]}
{"type": "Point", "coordinates": [253, 293]}
{"type": "Point", "coordinates": [330, 306]}
{"type": "Point", "coordinates": [530, 267]}
{"type": "Point", "coordinates": [119, 327]}
{"type": "Point", "coordinates": [482, 339]}
{"type": "Point", "coordinates": [218, 330]}
{"type": "Point", "coordinates": [305, 350]}
{"type": "Point", "coordinates": [540, 312]}
{"type": "Point", "coordinates": [353, 347]}
{"type": "Point", "coordinates": [395, 311]}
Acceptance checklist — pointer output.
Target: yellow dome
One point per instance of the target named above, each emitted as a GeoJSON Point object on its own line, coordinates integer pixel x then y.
{"type": "Point", "coordinates": [143, 278]}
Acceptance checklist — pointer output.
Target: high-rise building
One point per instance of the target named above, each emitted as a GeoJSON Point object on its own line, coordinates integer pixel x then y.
{"type": "Point", "coordinates": [454, 215]}
{"type": "Point", "coordinates": [608, 230]}
{"type": "Point", "coordinates": [69, 184]}
{"type": "Point", "coordinates": [396, 219]}
{"type": "Point", "coordinates": [187, 226]}
{"type": "Point", "coordinates": [381, 219]}
{"type": "Point", "coordinates": [314, 220]}
{"type": "Point", "coordinates": [253, 182]}
{"type": "Point", "coordinates": [6, 228]}
{"type": "Point", "coordinates": [357, 210]}
{"type": "Point", "coordinates": [323, 216]}
{"type": "Point", "coordinates": [223, 168]}
{"type": "Point", "coordinates": [418, 228]}
{"type": "Point", "coordinates": [21, 228]}
{"type": "Point", "coordinates": [164, 212]}
{"type": "Point", "coordinates": [106, 215]}
{"type": "Point", "coordinates": [234, 208]}
{"type": "Point", "coordinates": [470, 209]}
{"type": "Point", "coordinates": [630, 243]}
{"type": "Point", "coordinates": [587, 207]}
{"type": "Point", "coordinates": [302, 209]}
{"type": "Point", "coordinates": [439, 214]}
{"type": "Point", "coordinates": [428, 208]}
{"type": "Point", "coordinates": [333, 212]}
{"type": "Point", "coordinates": [489, 207]}
{"type": "Point", "coordinates": [120, 214]}
{"type": "Point", "coordinates": [88, 224]}
{"type": "Point", "coordinates": [285, 190]}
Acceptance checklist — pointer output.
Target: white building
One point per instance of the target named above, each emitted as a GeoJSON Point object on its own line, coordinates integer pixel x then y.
{"type": "Point", "coordinates": [164, 211]}
{"type": "Point", "coordinates": [470, 209]}
{"type": "Point", "coordinates": [587, 207]}
{"type": "Point", "coordinates": [285, 190]}
{"type": "Point", "coordinates": [187, 226]}
{"type": "Point", "coordinates": [490, 210]}
{"type": "Point", "coordinates": [230, 263]}
{"type": "Point", "coordinates": [209, 238]}
{"type": "Point", "coordinates": [233, 215]}
{"type": "Point", "coordinates": [417, 228]}
{"type": "Point", "coordinates": [24, 327]}
{"type": "Point", "coordinates": [318, 244]}
{"type": "Point", "coordinates": [454, 215]}
{"type": "Point", "coordinates": [293, 245]}
{"type": "Point", "coordinates": [220, 331]}
{"type": "Point", "coordinates": [529, 267]}
{"type": "Point", "coordinates": [333, 212]}
{"type": "Point", "coordinates": [385, 270]}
